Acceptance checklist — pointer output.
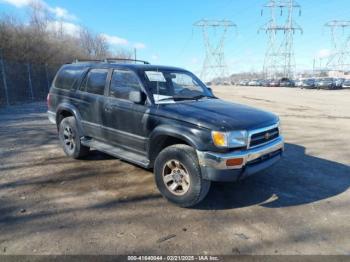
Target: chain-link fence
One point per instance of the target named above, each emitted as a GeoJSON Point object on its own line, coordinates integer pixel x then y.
{"type": "Point", "coordinates": [24, 82]}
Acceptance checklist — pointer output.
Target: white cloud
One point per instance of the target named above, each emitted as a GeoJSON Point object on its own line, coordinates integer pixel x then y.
{"type": "Point", "coordinates": [323, 53]}
{"type": "Point", "coordinates": [139, 46]}
{"type": "Point", "coordinates": [62, 13]}
{"type": "Point", "coordinates": [57, 11]}
{"type": "Point", "coordinates": [18, 3]}
{"type": "Point", "coordinates": [115, 40]}
{"type": "Point", "coordinates": [68, 28]}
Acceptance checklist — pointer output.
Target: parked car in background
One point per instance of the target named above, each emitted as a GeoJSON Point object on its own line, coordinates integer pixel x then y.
{"type": "Point", "coordinates": [326, 83]}
{"type": "Point", "coordinates": [243, 83]}
{"type": "Point", "coordinates": [346, 83]}
{"type": "Point", "coordinates": [286, 82]}
{"type": "Point", "coordinates": [266, 82]}
{"type": "Point", "coordinates": [254, 83]}
{"type": "Point", "coordinates": [274, 83]}
{"type": "Point", "coordinates": [299, 82]}
{"type": "Point", "coordinates": [339, 82]}
{"type": "Point", "coordinates": [308, 83]}
{"type": "Point", "coordinates": [261, 82]}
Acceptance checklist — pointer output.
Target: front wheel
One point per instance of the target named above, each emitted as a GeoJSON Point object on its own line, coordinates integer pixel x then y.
{"type": "Point", "coordinates": [178, 176]}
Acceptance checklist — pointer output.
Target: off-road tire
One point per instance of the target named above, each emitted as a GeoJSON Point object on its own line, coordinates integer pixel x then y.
{"type": "Point", "coordinates": [187, 156]}
{"type": "Point", "coordinates": [78, 150]}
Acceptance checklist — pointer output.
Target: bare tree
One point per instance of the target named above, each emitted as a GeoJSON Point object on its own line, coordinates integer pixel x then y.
{"type": "Point", "coordinates": [47, 40]}
{"type": "Point", "coordinates": [95, 45]}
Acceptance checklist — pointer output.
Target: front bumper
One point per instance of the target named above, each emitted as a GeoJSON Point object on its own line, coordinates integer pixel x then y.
{"type": "Point", "coordinates": [52, 117]}
{"type": "Point", "coordinates": [213, 165]}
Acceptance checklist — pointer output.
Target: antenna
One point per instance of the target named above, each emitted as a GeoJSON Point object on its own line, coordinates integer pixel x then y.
{"type": "Point", "coordinates": [214, 65]}
{"type": "Point", "coordinates": [340, 55]}
{"type": "Point", "coordinates": [279, 57]}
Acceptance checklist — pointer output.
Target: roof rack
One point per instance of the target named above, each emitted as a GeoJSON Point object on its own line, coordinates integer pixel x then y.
{"type": "Point", "coordinates": [111, 60]}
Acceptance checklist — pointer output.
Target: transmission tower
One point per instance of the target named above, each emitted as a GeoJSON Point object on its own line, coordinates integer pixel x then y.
{"type": "Point", "coordinates": [279, 57]}
{"type": "Point", "coordinates": [340, 37]}
{"type": "Point", "coordinates": [214, 36]}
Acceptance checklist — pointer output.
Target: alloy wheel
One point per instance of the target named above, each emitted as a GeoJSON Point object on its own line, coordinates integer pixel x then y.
{"type": "Point", "coordinates": [176, 177]}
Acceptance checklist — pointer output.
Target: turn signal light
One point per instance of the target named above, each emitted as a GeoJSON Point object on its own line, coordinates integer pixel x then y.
{"type": "Point", "coordinates": [234, 162]}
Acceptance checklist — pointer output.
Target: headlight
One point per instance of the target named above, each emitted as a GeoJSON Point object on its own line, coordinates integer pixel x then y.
{"type": "Point", "coordinates": [230, 139]}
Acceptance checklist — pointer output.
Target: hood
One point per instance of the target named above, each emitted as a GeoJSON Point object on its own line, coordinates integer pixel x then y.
{"type": "Point", "coordinates": [216, 114]}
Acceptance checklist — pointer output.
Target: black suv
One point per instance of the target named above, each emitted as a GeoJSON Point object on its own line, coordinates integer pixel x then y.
{"type": "Point", "coordinates": [161, 118]}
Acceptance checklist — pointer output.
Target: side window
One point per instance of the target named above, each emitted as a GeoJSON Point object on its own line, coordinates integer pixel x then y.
{"type": "Point", "coordinates": [122, 83]}
{"type": "Point", "coordinates": [95, 81]}
{"type": "Point", "coordinates": [67, 77]}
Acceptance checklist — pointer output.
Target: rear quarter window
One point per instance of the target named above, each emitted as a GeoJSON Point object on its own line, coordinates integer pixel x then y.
{"type": "Point", "coordinates": [95, 81]}
{"type": "Point", "coordinates": [68, 77]}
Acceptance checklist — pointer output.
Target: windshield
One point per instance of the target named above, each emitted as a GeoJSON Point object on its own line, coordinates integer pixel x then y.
{"type": "Point", "coordinates": [170, 86]}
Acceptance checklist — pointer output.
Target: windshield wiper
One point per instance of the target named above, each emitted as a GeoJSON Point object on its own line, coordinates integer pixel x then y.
{"type": "Point", "coordinates": [182, 98]}
{"type": "Point", "coordinates": [165, 99]}
{"type": "Point", "coordinates": [200, 97]}
{"type": "Point", "coordinates": [177, 98]}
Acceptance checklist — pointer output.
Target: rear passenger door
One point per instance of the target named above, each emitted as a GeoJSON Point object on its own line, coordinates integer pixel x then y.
{"type": "Point", "coordinates": [125, 122]}
{"type": "Point", "coordinates": [90, 101]}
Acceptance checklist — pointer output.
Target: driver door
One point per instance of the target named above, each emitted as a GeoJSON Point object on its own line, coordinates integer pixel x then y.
{"type": "Point", "coordinates": [125, 122]}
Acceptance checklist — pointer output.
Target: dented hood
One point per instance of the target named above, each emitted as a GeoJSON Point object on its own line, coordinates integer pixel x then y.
{"type": "Point", "coordinates": [217, 114]}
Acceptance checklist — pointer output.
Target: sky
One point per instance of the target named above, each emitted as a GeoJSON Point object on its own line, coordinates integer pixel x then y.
{"type": "Point", "coordinates": [163, 32]}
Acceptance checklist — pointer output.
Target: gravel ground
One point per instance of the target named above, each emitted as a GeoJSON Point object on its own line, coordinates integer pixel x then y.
{"type": "Point", "coordinates": [50, 204]}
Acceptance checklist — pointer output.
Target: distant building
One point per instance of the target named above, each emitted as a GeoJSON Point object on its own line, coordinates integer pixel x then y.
{"type": "Point", "coordinates": [340, 74]}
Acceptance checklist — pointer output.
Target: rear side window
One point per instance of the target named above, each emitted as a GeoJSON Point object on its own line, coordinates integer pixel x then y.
{"type": "Point", "coordinates": [67, 77]}
{"type": "Point", "coordinates": [95, 81]}
{"type": "Point", "coordinates": [122, 83]}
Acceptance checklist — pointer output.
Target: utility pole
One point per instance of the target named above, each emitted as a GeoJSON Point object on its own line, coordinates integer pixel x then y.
{"type": "Point", "coordinates": [340, 38]}
{"type": "Point", "coordinates": [279, 57]}
{"type": "Point", "coordinates": [4, 81]}
{"type": "Point", "coordinates": [214, 36]}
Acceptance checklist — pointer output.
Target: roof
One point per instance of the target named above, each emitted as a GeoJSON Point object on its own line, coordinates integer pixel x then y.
{"type": "Point", "coordinates": [132, 66]}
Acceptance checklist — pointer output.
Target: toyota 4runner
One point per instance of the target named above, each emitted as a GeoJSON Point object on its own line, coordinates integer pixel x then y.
{"type": "Point", "coordinates": [161, 118]}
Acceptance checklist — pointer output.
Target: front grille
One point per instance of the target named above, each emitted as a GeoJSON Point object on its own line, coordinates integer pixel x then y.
{"type": "Point", "coordinates": [263, 137]}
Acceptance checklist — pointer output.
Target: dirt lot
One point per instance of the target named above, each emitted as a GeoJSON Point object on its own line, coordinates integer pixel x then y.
{"type": "Point", "coordinates": [50, 204]}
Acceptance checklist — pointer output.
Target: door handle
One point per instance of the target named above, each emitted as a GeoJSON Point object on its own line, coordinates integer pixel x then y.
{"type": "Point", "coordinates": [108, 108]}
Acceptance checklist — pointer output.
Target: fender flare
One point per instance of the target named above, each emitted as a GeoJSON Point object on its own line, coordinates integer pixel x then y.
{"type": "Point", "coordinates": [190, 135]}
{"type": "Point", "coordinates": [74, 111]}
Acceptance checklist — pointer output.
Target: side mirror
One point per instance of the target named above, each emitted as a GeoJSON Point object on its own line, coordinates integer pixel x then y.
{"type": "Point", "coordinates": [211, 90]}
{"type": "Point", "coordinates": [135, 96]}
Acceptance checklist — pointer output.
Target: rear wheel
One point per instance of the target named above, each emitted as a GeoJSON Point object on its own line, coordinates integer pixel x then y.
{"type": "Point", "coordinates": [178, 176]}
{"type": "Point", "coordinates": [70, 138]}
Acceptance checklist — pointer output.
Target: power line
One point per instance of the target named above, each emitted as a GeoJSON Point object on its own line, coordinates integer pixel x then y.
{"type": "Point", "coordinates": [214, 36]}
{"type": "Point", "coordinates": [340, 55]}
{"type": "Point", "coordinates": [279, 57]}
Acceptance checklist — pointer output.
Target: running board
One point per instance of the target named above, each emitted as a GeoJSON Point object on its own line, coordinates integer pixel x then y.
{"type": "Point", "coordinates": [117, 152]}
